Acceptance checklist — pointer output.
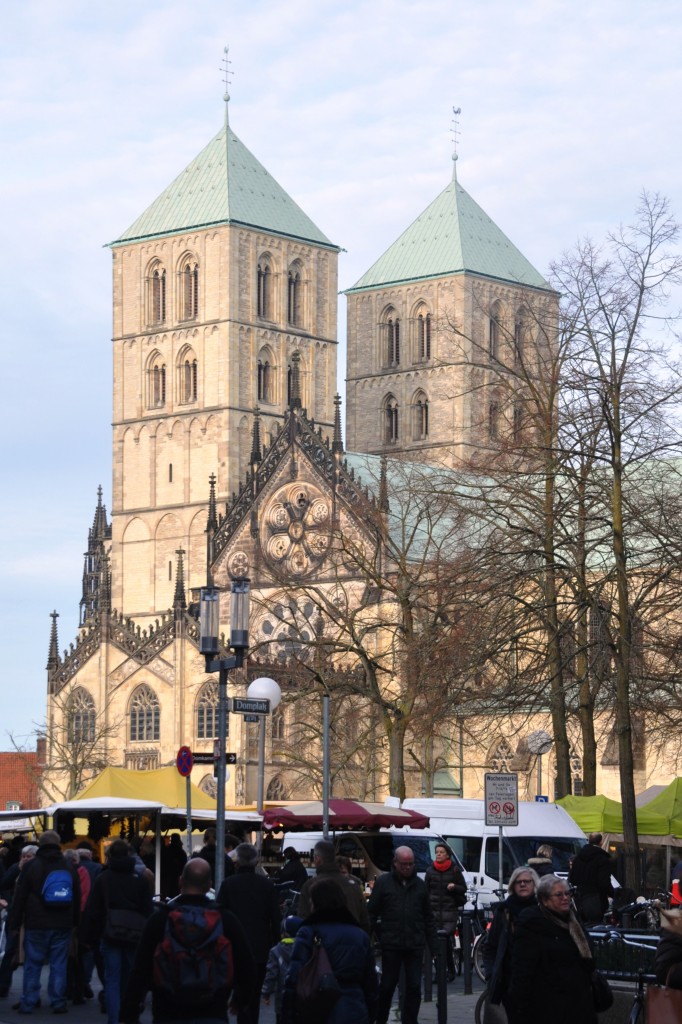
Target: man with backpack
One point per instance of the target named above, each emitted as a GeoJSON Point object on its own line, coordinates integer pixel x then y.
{"type": "Point", "coordinates": [194, 957]}
{"type": "Point", "coordinates": [47, 903]}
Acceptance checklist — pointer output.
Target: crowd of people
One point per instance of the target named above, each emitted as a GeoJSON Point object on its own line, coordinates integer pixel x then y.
{"type": "Point", "coordinates": [203, 955]}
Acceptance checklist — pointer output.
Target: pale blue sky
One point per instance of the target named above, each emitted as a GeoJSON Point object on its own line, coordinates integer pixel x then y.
{"type": "Point", "coordinates": [569, 110]}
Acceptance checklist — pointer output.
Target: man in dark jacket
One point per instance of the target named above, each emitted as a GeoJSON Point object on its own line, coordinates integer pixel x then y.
{"type": "Point", "coordinates": [118, 887]}
{"type": "Point", "coordinates": [401, 914]}
{"type": "Point", "coordinates": [8, 886]}
{"type": "Point", "coordinates": [209, 851]}
{"type": "Point", "coordinates": [252, 898]}
{"type": "Point", "coordinates": [293, 871]}
{"type": "Point", "coordinates": [195, 882]}
{"type": "Point", "coordinates": [591, 874]}
{"type": "Point", "coordinates": [47, 920]}
{"type": "Point", "coordinates": [324, 860]}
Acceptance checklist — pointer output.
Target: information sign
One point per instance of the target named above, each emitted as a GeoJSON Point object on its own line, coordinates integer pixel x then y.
{"type": "Point", "coordinates": [501, 798]}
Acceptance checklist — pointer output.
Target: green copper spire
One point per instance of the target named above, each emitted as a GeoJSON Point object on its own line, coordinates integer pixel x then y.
{"type": "Point", "coordinates": [224, 184]}
{"type": "Point", "coordinates": [452, 236]}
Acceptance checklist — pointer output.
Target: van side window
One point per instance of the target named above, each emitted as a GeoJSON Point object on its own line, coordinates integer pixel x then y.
{"type": "Point", "coordinates": [468, 851]}
{"type": "Point", "coordinates": [492, 859]}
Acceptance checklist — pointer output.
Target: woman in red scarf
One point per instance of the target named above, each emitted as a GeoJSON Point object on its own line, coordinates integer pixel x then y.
{"type": "Point", "coordinates": [447, 893]}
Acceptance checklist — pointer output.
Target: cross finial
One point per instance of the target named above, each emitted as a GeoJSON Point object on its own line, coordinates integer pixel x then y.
{"type": "Point", "coordinates": [225, 68]}
{"type": "Point", "coordinates": [455, 132]}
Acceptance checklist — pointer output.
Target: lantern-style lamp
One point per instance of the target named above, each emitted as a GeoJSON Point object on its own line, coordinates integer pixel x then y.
{"type": "Point", "coordinates": [239, 614]}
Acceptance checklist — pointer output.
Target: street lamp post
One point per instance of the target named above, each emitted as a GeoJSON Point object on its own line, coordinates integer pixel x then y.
{"type": "Point", "coordinates": [209, 646]}
{"type": "Point", "coordinates": [263, 688]}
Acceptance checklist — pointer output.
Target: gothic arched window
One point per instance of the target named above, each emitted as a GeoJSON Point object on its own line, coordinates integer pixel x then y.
{"type": "Point", "coordinates": [294, 313]}
{"type": "Point", "coordinates": [421, 417]}
{"type": "Point", "coordinates": [144, 715]}
{"type": "Point", "coordinates": [264, 290]}
{"type": "Point", "coordinates": [156, 382]}
{"type": "Point", "coordinates": [423, 336]}
{"type": "Point", "coordinates": [390, 430]}
{"type": "Point", "coordinates": [494, 332]}
{"type": "Point", "coordinates": [207, 712]}
{"type": "Point", "coordinates": [80, 718]}
{"type": "Point", "coordinates": [266, 377]}
{"type": "Point", "coordinates": [156, 295]}
{"type": "Point", "coordinates": [188, 288]}
{"type": "Point", "coordinates": [393, 341]}
{"type": "Point", "coordinates": [278, 725]}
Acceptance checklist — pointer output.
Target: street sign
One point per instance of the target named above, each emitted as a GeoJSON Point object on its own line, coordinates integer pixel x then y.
{"type": "Point", "coordinates": [501, 798]}
{"type": "Point", "coordinates": [212, 758]}
{"type": "Point", "coordinates": [541, 799]}
{"type": "Point", "coordinates": [252, 718]}
{"type": "Point", "coordinates": [184, 761]}
{"type": "Point", "coordinates": [250, 706]}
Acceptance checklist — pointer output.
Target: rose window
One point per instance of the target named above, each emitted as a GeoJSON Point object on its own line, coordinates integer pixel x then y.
{"type": "Point", "coordinates": [295, 529]}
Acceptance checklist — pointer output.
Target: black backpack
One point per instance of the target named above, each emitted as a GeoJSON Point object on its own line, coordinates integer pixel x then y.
{"type": "Point", "coordinates": [193, 963]}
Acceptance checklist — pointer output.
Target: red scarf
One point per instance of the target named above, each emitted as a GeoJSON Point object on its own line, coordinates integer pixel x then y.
{"type": "Point", "coordinates": [442, 865]}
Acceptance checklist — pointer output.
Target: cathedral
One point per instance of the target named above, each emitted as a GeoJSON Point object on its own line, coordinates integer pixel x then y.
{"type": "Point", "coordinates": [228, 449]}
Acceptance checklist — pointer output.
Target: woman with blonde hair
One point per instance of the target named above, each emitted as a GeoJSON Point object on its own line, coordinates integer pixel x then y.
{"type": "Point", "coordinates": [497, 951]}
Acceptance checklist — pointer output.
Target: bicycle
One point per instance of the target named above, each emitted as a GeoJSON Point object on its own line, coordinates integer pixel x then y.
{"type": "Point", "coordinates": [478, 937]}
{"type": "Point", "coordinates": [613, 936]}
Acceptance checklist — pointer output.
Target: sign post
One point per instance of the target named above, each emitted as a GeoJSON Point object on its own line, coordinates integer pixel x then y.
{"type": "Point", "coordinates": [184, 762]}
{"type": "Point", "coordinates": [501, 809]}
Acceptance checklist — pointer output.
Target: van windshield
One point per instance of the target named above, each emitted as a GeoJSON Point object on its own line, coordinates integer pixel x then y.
{"type": "Point", "coordinates": [381, 849]}
{"type": "Point", "coordinates": [563, 849]}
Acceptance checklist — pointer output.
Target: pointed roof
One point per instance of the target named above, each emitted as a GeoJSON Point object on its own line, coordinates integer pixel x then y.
{"type": "Point", "coordinates": [224, 184]}
{"type": "Point", "coordinates": [452, 236]}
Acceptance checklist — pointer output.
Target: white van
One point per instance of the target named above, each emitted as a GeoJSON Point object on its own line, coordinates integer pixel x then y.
{"type": "Point", "coordinates": [462, 824]}
{"type": "Point", "coordinates": [371, 851]}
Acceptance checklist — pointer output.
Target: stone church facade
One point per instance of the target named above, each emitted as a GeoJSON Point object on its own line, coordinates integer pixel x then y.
{"type": "Point", "coordinates": [226, 428]}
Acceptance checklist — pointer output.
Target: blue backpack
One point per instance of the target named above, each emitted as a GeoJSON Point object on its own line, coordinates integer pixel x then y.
{"type": "Point", "coordinates": [57, 890]}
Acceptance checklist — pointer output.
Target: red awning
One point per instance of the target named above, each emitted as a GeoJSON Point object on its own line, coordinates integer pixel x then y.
{"type": "Point", "coordinates": [342, 814]}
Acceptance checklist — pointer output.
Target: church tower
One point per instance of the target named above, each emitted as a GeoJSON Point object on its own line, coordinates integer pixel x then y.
{"type": "Point", "coordinates": [215, 286]}
{"type": "Point", "coordinates": [428, 323]}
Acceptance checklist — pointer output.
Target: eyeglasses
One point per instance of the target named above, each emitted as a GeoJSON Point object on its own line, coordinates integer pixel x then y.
{"type": "Point", "coordinates": [524, 881]}
{"type": "Point", "coordinates": [405, 863]}
{"type": "Point", "coordinates": [560, 896]}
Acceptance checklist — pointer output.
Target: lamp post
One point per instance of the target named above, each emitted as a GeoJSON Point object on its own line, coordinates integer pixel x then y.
{"type": "Point", "coordinates": [209, 646]}
{"type": "Point", "coordinates": [539, 743]}
{"type": "Point", "coordinates": [263, 688]}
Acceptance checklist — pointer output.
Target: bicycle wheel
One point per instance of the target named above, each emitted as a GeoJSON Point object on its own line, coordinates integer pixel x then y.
{"type": "Point", "coordinates": [479, 1011]}
{"type": "Point", "coordinates": [479, 952]}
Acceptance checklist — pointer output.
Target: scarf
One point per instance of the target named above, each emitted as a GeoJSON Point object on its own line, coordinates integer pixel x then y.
{"type": "Point", "coordinates": [574, 929]}
{"type": "Point", "coordinates": [443, 865]}
{"type": "Point", "coordinates": [515, 903]}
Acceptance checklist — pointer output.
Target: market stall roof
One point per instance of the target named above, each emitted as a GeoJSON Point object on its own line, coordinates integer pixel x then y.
{"type": "Point", "coordinates": [164, 786]}
{"type": "Point", "coordinates": [342, 814]}
{"type": "Point", "coordinates": [669, 804]}
{"type": "Point", "coordinates": [600, 814]}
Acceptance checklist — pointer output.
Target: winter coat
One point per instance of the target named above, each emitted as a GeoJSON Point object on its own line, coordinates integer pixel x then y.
{"type": "Point", "coordinates": [276, 971]}
{"type": "Point", "coordinates": [118, 886]}
{"type": "Point", "coordinates": [498, 945]}
{"type": "Point", "coordinates": [591, 873]}
{"type": "Point", "coordinates": [541, 866]}
{"type": "Point", "coordinates": [352, 961]}
{"type": "Point", "coordinates": [400, 912]}
{"type": "Point", "coordinates": [355, 901]}
{"type": "Point", "coordinates": [252, 898]}
{"type": "Point", "coordinates": [28, 907]}
{"type": "Point", "coordinates": [668, 960]}
{"type": "Point", "coordinates": [293, 871]}
{"type": "Point", "coordinates": [445, 903]}
{"type": "Point", "coordinates": [549, 981]}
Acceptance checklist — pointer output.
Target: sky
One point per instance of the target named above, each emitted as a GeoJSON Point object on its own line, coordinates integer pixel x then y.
{"type": "Point", "coordinates": [569, 110]}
